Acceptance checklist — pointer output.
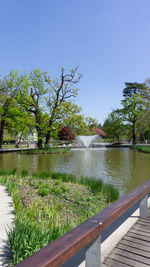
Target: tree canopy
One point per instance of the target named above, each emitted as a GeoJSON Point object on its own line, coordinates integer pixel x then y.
{"type": "Point", "coordinates": [133, 105]}
{"type": "Point", "coordinates": [36, 101]}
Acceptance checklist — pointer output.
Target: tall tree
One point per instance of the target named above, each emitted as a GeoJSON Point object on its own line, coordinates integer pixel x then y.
{"type": "Point", "coordinates": [60, 90]}
{"type": "Point", "coordinates": [32, 92]}
{"type": "Point", "coordinates": [69, 114]}
{"type": "Point", "coordinates": [144, 121]}
{"type": "Point", "coordinates": [133, 105]}
{"type": "Point", "coordinates": [91, 123]}
{"type": "Point", "coordinates": [113, 125]}
{"type": "Point", "coordinates": [9, 109]}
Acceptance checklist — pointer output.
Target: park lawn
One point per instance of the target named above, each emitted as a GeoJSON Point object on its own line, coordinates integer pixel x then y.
{"type": "Point", "coordinates": [140, 148]}
{"type": "Point", "coordinates": [47, 207]}
{"type": "Point", "coordinates": [10, 146]}
{"type": "Point", "coordinates": [51, 150]}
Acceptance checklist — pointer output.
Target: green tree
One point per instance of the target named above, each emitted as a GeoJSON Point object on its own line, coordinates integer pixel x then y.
{"type": "Point", "coordinates": [11, 113]}
{"type": "Point", "coordinates": [32, 92]}
{"type": "Point", "coordinates": [145, 120]}
{"type": "Point", "coordinates": [133, 105]}
{"type": "Point", "coordinates": [113, 125]}
{"type": "Point", "coordinates": [69, 114]}
{"type": "Point", "coordinates": [60, 90]}
{"type": "Point", "coordinates": [91, 123]}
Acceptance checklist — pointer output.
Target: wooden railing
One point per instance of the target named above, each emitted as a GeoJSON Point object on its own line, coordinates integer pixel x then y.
{"type": "Point", "coordinates": [88, 234]}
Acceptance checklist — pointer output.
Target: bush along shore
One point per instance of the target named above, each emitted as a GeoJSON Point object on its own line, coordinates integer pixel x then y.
{"type": "Point", "coordinates": [51, 150]}
{"type": "Point", "coordinates": [140, 148]}
{"type": "Point", "coordinates": [47, 205]}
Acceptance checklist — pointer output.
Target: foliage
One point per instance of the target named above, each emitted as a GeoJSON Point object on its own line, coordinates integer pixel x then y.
{"type": "Point", "coordinates": [32, 92]}
{"type": "Point", "coordinates": [68, 114]}
{"type": "Point", "coordinates": [91, 123]}
{"type": "Point", "coordinates": [113, 125]}
{"type": "Point", "coordinates": [65, 133]}
{"type": "Point", "coordinates": [12, 115]}
{"type": "Point", "coordinates": [133, 105]}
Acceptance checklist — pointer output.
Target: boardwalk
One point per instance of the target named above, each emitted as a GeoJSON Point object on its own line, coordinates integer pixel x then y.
{"type": "Point", "coordinates": [134, 247]}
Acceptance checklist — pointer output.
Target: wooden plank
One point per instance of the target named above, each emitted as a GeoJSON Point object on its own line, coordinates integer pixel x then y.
{"type": "Point", "coordinates": [141, 229]}
{"type": "Point", "coordinates": [145, 220]}
{"type": "Point", "coordinates": [113, 258]}
{"type": "Point", "coordinates": [138, 236]}
{"type": "Point", "coordinates": [142, 233]}
{"type": "Point", "coordinates": [143, 224]}
{"type": "Point", "coordinates": [133, 250]}
{"type": "Point", "coordinates": [135, 245]}
{"type": "Point", "coordinates": [113, 263]}
{"type": "Point", "coordinates": [136, 241]}
{"type": "Point", "coordinates": [132, 256]}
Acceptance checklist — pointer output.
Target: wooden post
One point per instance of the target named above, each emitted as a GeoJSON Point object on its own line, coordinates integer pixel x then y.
{"type": "Point", "coordinates": [144, 207]}
{"type": "Point", "coordinates": [93, 253]}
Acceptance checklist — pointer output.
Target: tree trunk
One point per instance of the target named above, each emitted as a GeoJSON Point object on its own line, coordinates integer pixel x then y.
{"type": "Point", "coordinates": [134, 135]}
{"type": "Point", "coordinates": [47, 137]}
{"type": "Point", "coordinates": [2, 132]}
{"type": "Point", "coordinates": [39, 137]}
{"type": "Point", "coordinates": [39, 144]}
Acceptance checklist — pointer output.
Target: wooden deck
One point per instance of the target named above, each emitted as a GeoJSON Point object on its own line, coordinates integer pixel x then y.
{"type": "Point", "coordinates": [134, 247]}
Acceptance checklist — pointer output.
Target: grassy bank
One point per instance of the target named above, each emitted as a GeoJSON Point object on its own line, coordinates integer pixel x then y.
{"type": "Point", "coordinates": [49, 205]}
{"type": "Point", "coordinates": [140, 148]}
{"type": "Point", "coordinates": [52, 150]}
{"type": "Point", "coordinates": [12, 146]}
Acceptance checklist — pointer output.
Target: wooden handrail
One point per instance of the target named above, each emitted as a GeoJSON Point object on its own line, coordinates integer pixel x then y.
{"type": "Point", "coordinates": [63, 248]}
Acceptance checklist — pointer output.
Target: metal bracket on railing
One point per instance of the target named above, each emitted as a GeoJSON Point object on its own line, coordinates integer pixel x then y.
{"type": "Point", "coordinates": [93, 253]}
{"type": "Point", "coordinates": [144, 207]}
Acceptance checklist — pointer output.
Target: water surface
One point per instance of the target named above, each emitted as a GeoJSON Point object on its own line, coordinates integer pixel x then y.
{"type": "Point", "coordinates": [124, 168]}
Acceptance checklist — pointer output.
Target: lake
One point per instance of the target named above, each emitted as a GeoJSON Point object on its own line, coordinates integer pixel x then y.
{"type": "Point", "coordinates": [123, 167]}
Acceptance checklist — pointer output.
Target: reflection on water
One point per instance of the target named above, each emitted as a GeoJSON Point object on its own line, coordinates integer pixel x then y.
{"type": "Point", "coordinates": [124, 168]}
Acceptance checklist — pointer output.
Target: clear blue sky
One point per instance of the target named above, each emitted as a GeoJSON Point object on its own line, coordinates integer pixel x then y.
{"type": "Point", "coordinates": [108, 39]}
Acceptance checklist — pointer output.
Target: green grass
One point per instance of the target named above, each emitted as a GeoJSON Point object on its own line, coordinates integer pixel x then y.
{"type": "Point", "coordinates": [7, 172]}
{"type": "Point", "coordinates": [9, 146]}
{"type": "Point", "coordinates": [46, 150]}
{"type": "Point", "coordinates": [24, 173]}
{"type": "Point", "coordinates": [95, 186]}
{"type": "Point", "coordinates": [41, 175]}
{"type": "Point", "coordinates": [47, 205]}
{"type": "Point", "coordinates": [140, 148]}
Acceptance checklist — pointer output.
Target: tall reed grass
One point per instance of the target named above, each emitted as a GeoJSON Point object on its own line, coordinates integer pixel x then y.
{"type": "Point", "coordinates": [95, 186]}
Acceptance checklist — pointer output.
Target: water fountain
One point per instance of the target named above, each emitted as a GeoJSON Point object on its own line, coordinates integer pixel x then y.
{"type": "Point", "coordinates": [86, 140]}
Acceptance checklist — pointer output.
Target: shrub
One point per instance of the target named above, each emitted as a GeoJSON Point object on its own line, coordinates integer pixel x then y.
{"type": "Point", "coordinates": [65, 133]}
